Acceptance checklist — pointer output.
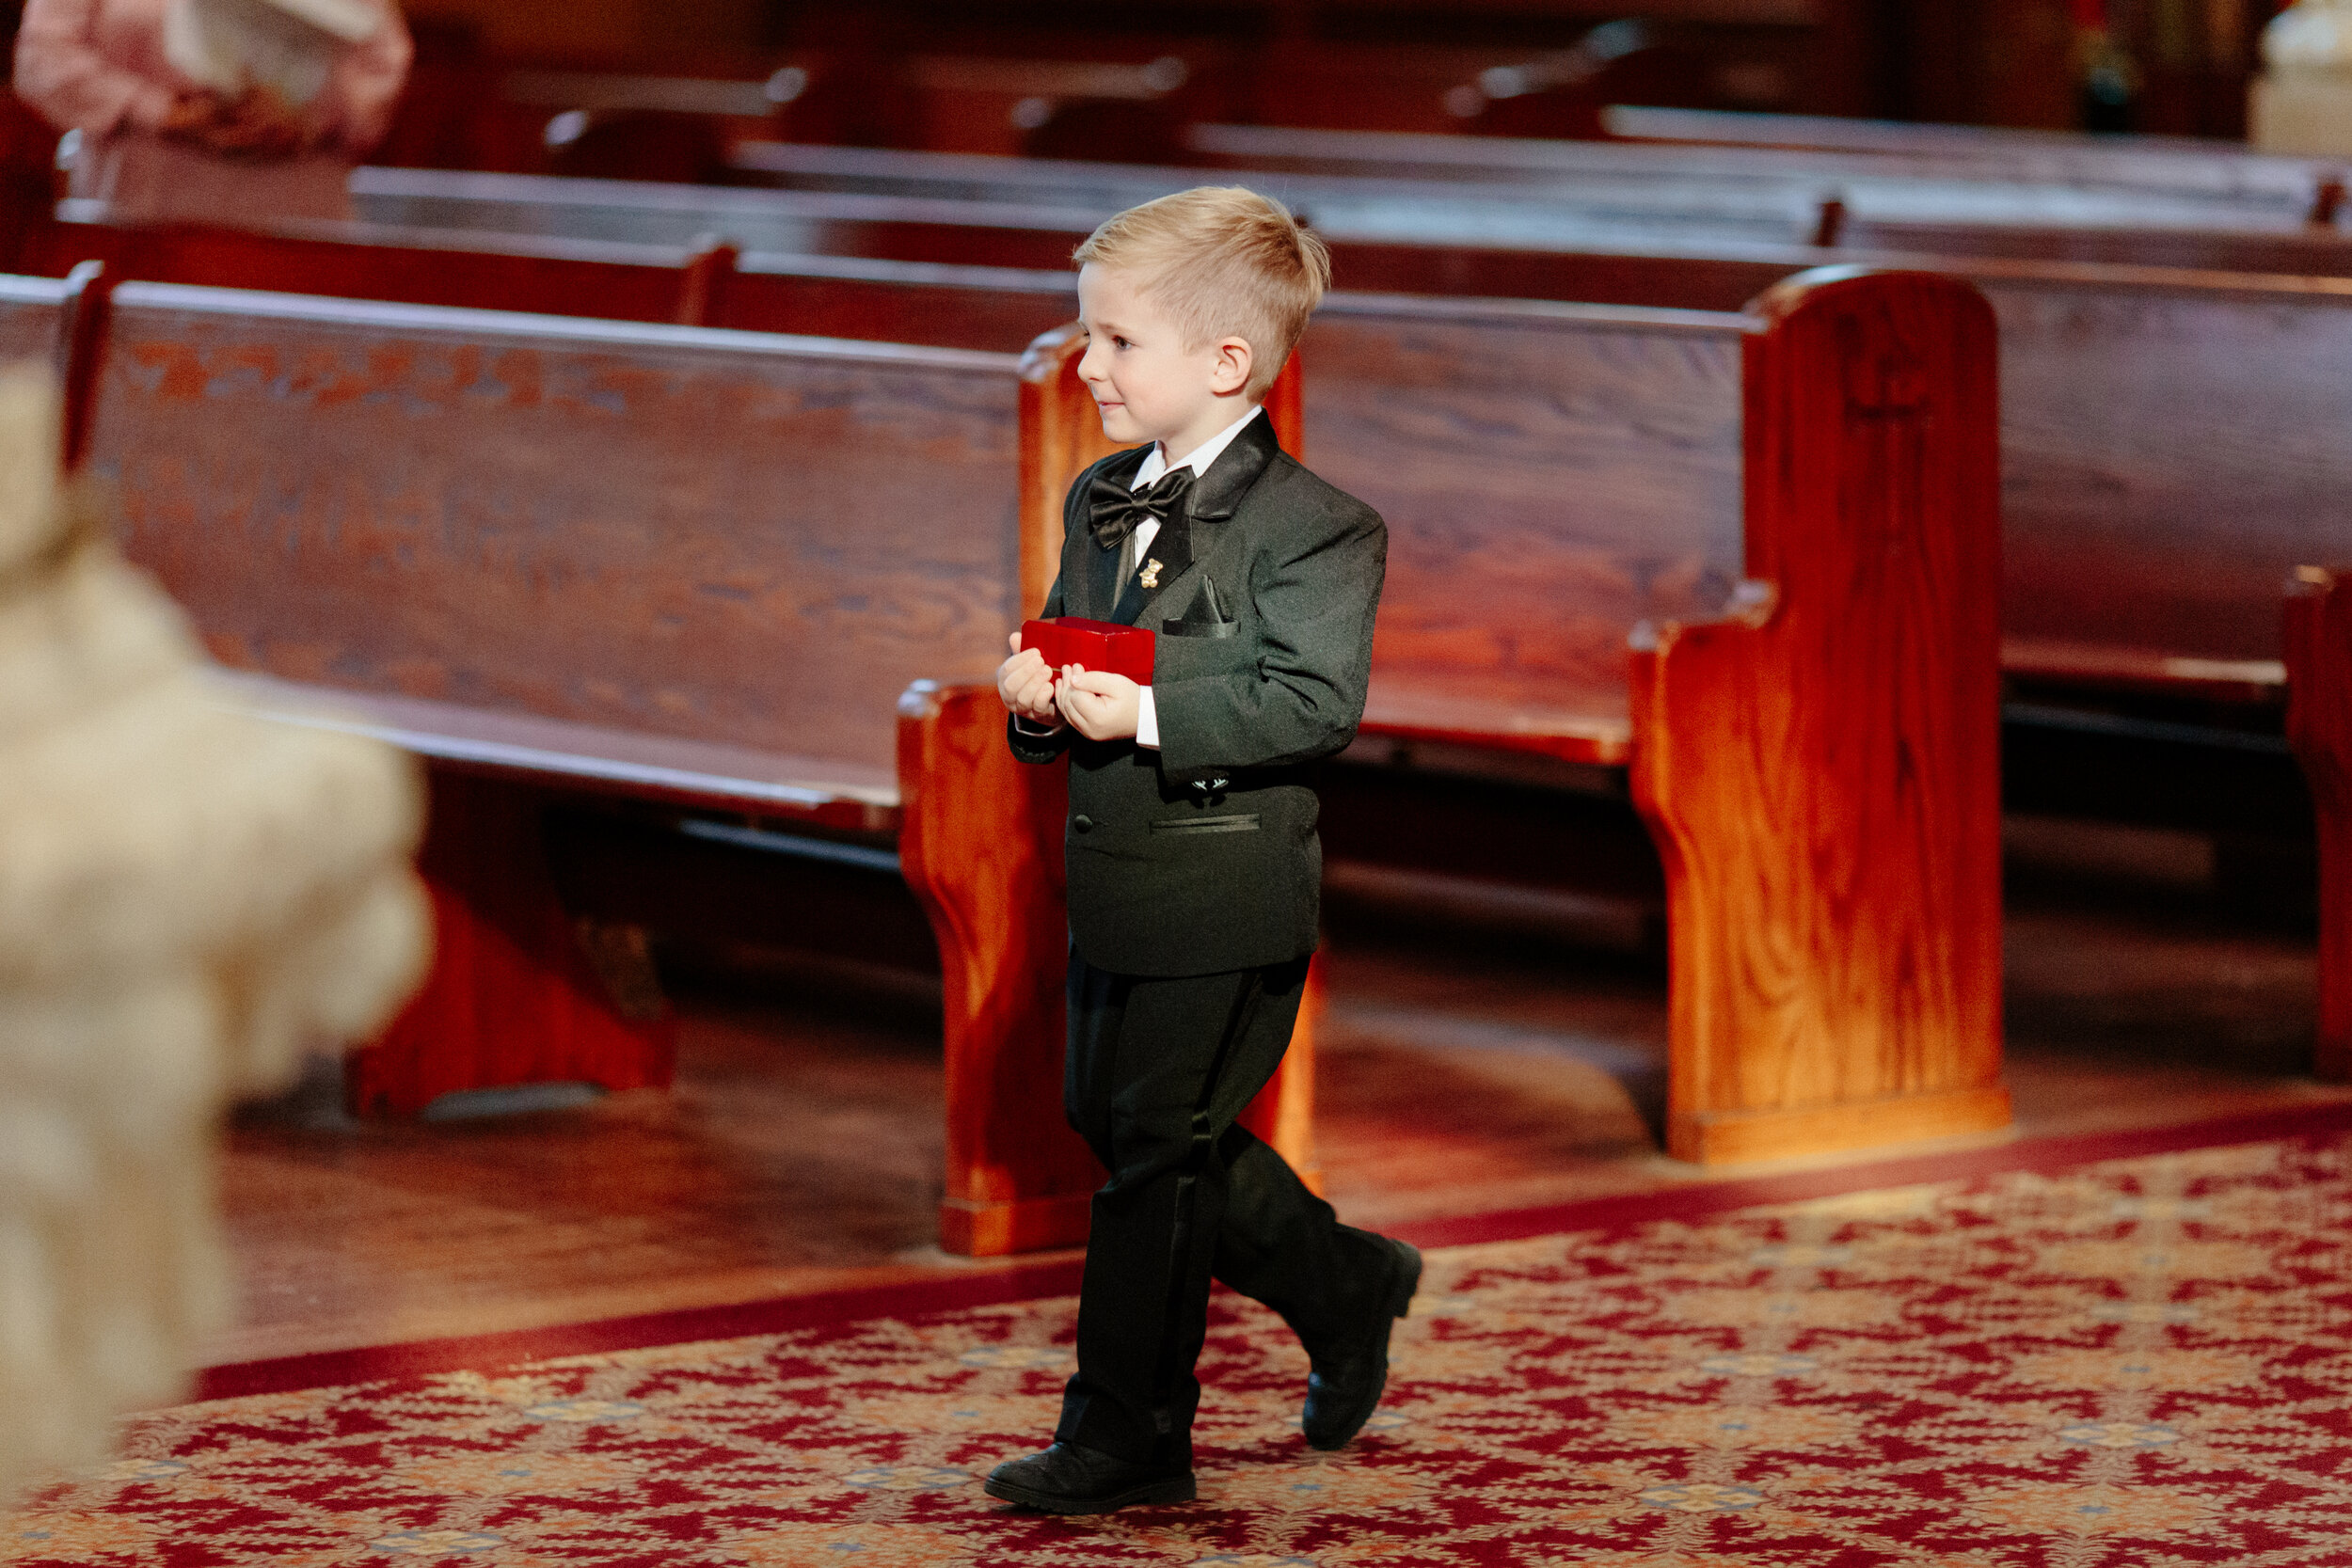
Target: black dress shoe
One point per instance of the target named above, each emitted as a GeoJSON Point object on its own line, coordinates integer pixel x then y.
{"type": "Point", "coordinates": [1347, 1375]}
{"type": "Point", "coordinates": [1067, 1479]}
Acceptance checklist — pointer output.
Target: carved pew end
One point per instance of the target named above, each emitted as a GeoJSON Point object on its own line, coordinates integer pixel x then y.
{"type": "Point", "coordinates": [1819, 766]}
{"type": "Point", "coordinates": [980, 844]}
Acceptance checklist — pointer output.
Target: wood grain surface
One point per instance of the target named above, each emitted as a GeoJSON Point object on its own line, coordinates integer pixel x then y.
{"type": "Point", "coordinates": [2164, 432]}
{"type": "Point", "coordinates": [1821, 771]}
{"type": "Point", "coordinates": [1550, 476]}
{"type": "Point", "coordinates": [755, 541]}
{"type": "Point", "coordinates": [2180, 447]}
{"type": "Point", "coordinates": [512, 998]}
{"type": "Point", "coordinates": [981, 845]}
{"type": "Point", "coordinates": [1706, 197]}
{"type": "Point", "coordinates": [2319, 723]}
{"type": "Point", "coordinates": [877, 300]}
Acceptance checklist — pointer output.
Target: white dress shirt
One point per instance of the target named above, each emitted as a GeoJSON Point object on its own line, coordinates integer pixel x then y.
{"type": "Point", "coordinates": [1155, 468]}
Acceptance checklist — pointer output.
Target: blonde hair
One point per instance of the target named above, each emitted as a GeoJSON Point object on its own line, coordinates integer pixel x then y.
{"type": "Point", "coordinates": [1223, 262]}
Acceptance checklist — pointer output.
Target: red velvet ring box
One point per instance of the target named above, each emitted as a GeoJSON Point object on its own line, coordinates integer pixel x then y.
{"type": "Point", "coordinates": [1097, 644]}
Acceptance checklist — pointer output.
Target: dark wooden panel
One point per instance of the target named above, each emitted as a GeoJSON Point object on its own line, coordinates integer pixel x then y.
{"type": "Point", "coordinates": [957, 307]}
{"type": "Point", "coordinates": [751, 540]}
{"type": "Point", "coordinates": [2165, 435]}
{"type": "Point", "coordinates": [2169, 456]}
{"type": "Point", "coordinates": [361, 262]}
{"type": "Point", "coordinates": [1551, 475]}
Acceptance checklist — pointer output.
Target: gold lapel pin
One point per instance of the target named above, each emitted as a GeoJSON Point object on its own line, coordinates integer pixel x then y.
{"type": "Point", "coordinates": [1150, 578]}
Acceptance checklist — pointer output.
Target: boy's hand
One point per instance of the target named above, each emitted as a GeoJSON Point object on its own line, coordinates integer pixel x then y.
{"type": "Point", "coordinates": [1027, 685]}
{"type": "Point", "coordinates": [1099, 705]}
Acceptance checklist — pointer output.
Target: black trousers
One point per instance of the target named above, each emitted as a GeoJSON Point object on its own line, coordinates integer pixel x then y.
{"type": "Point", "coordinates": [1156, 1072]}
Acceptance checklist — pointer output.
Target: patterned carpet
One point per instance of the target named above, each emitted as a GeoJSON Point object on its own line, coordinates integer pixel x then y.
{"type": "Point", "coordinates": [2127, 1364]}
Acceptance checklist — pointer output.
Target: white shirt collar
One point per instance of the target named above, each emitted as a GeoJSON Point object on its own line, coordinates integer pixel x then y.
{"type": "Point", "coordinates": [1155, 462]}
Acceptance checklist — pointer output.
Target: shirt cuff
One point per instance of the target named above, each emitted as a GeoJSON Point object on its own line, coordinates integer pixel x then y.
{"type": "Point", "coordinates": [1147, 720]}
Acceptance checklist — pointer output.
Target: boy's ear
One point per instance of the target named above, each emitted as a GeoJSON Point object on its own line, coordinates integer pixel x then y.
{"type": "Point", "coordinates": [1231, 371]}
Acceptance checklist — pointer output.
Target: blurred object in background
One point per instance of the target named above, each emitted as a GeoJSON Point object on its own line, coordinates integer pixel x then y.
{"type": "Point", "coordinates": [215, 110]}
{"type": "Point", "coordinates": [2303, 101]}
{"type": "Point", "coordinates": [190, 898]}
{"type": "Point", "coordinates": [2106, 78]}
{"type": "Point", "coordinates": [1563, 94]}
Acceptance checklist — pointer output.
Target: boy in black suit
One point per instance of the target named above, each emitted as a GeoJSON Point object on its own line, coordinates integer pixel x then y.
{"type": "Point", "coordinates": [1194, 870]}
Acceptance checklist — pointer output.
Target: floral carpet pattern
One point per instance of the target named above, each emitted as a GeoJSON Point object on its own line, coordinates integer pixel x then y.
{"type": "Point", "coordinates": [2129, 1365]}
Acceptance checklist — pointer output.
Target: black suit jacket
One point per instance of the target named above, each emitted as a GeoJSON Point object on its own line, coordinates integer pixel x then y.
{"type": "Point", "coordinates": [1202, 856]}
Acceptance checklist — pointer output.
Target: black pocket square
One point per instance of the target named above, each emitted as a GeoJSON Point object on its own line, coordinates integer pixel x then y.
{"type": "Point", "coordinates": [1198, 628]}
{"type": "Point", "coordinates": [1206, 618]}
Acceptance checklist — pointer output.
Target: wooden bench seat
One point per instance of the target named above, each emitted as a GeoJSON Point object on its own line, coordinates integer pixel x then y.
{"type": "Point", "coordinates": [2142, 414]}
{"type": "Point", "coordinates": [1752, 558]}
{"type": "Point", "coordinates": [700, 568]}
{"type": "Point", "coordinates": [581, 615]}
{"type": "Point", "coordinates": [1635, 192]}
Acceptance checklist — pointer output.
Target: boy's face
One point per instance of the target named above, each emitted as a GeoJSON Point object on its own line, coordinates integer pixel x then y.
{"type": "Point", "coordinates": [1147, 383]}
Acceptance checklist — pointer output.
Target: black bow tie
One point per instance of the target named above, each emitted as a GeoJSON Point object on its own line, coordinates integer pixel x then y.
{"type": "Point", "coordinates": [1113, 510]}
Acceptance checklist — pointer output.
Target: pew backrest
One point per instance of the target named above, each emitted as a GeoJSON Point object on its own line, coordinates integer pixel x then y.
{"type": "Point", "coordinates": [32, 312]}
{"type": "Point", "coordinates": [2164, 162]}
{"type": "Point", "coordinates": [1552, 476]}
{"type": "Point", "coordinates": [2168, 437]}
{"type": "Point", "coordinates": [963, 209]}
{"type": "Point", "coordinates": [1734, 194]}
{"type": "Point", "coordinates": [2170, 453]}
{"type": "Point", "coordinates": [726, 539]}
{"type": "Point", "coordinates": [881, 300]}
{"type": "Point", "coordinates": [2286, 188]}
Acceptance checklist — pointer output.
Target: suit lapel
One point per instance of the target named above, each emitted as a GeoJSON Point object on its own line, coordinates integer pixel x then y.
{"type": "Point", "coordinates": [1170, 554]}
{"type": "Point", "coordinates": [1213, 501]}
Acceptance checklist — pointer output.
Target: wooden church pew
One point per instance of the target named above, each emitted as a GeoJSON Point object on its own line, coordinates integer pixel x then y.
{"type": "Point", "coordinates": [711, 285]}
{"type": "Point", "coordinates": [2024, 218]}
{"type": "Point", "coordinates": [2141, 420]}
{"type": "Point", "coordinates": [2288, 191]}
{"type": "Point", "coordinates": [1020, 212]}
{"type": "Point", "coordinates": [2182, 163]}
{"type": "Point", "coordinates": [1677, 457]}
{"type": "Point", "coordinates": [689, 567]}
{"type": "Point", "coordinates": [1570, 493]}
{"type": "Point", "coordinates": [2117, 472]}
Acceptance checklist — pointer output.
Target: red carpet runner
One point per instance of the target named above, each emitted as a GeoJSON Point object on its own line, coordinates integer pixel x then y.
{"type": "Point", "coordinates": [2145, 1361]}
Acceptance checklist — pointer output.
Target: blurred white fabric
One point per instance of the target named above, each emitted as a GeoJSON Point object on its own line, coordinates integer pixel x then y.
{"type": "Point", "coordinates": [190, 896]}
